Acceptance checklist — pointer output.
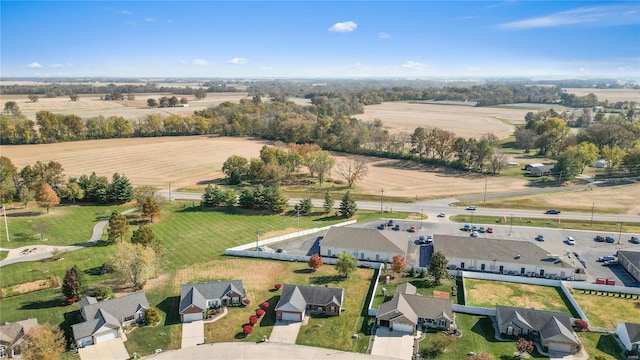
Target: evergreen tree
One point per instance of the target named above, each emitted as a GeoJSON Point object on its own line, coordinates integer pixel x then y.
{"type": "Point", "coordinates": [73, 284]}
{"type": "Point", "coordinates": [120, 190]}
{"type": "Point", "coordinates": [150, 208]}
{"type": "Point", "coordinates": [275, 201]}
{"type": "Point", "coordinates": [305, 206]}
{"type": "Point", "coordinates": [348, 207]}
{"type": "Point", "coordinates": [210, 198]}
{"type": "Point", "coordinates": [144, 235]}
{"type": "Point", "coordinates": [328, 202]}
{"type": "Point", "coordinates": [118, 226]}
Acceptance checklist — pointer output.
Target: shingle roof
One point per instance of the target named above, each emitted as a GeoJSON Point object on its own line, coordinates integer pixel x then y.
{"type": "Point", "coordinates": [554, 328]}
{"type": "Point", "coordinates": [414, 307]}
{"type": "Point", "coordinates": [632, 256]}
{"type": "Point", "coordinates": [407, 288]}
{"type": "Point", "coordinates": [367, 239]}
{"type": "Point", "coordinates": [512, 251]}
{"type": "Point", "coordinates": [10, 331]}
{"type": "Point", "coordinates": [109, 312]}
{"type": "Point", "coordinates": [549, 323]}
{"type": "Point", "coordinates": [198, 294]}
{"type": "Point", "coordinates": [397, 309]}
{"type": "Point", "coordinates": [296, 297]}
{"type": "Point", "coordinates": [633, 330]}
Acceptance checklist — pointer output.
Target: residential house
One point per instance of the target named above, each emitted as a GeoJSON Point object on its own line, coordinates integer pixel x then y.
{"type": "Point", "coordinates": [104, 320]}
{"type": "Point", "coordinates": [12, 336]}
{"type": "Point", "coordinates": [508, 257]}
{"type": "Point", "coordinates": [630, 260]}
{"type": "Point", "coordinates": [408, 311]}
{"type": "Point", "coordinates": [195, 299]}
{"type": "Point", "coordinates": [552, 328]}
{"type": "Point", "coordinates": [366, 244]}
{"type": "Point", "coordinates": [541, 170]}
{"type": "Point", "coordinates": [629, 335]}
{"type": "Point", "coordinates": [298, 300]}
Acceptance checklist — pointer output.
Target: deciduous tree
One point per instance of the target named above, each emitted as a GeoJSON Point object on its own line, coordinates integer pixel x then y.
{"type": "Point", "coordinates": [134, 263]}
{"type": "Point", "coordinates": [144, 235]}
{"type": "Point", "coordinates": [320, 163]}
{"type": "Point", "coordinates": [614, 156]}
{"type": "Point", "coordinates": [40, 227]}
{"type": "Point", "coordinates": [315, 262]}
{"type": "Point", "coordinates": [152, 316]}
{"type": "Point", "coordinates": [43, 342]}
{"type": "Point", "coordinates": [11, 108]}
{"type": "Point", "coordinates": [524, 346]}
{"type": "Point", "coordinates": [150, 208]}
{"type": "Point", "coordinates": [152, 103]}
{"type": "Point", "coordinates": [438, 345]}
{"type": "Point", "coordinates": [348, 207]}
{"type": "Point", "coordinates": [438, 267]}
{"type": "Point", "coordinates": [346, 264]}
{"type": "Point", "coordinates": [73, 284]}
{"type": "Point", "coordinates": [399, 264]}
{"type": "Point", "coordinates": [118, 226]}
{"type": "Point", "coordinates": [46, 197]}
{"type": "Point", "coordinates": [8, 176]}
{"type": "Point", "coordinates": [235, 168]}
{"type": "Point", "coordinates": [352, 171]}
{"type": "Point", "coordinates": [72, 192]}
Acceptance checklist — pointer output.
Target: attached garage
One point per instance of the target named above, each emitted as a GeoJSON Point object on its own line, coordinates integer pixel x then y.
{"type": "Point", "coordinates": [559, 347]}
{"type": "Point", "coordinates": [408, 328]}
{"type": "Point", "coordinates": [291, 316]}
{"type": "Point", "coordinates": [106, 336]}
{"type": "Point", "coordinates": [191, 317]}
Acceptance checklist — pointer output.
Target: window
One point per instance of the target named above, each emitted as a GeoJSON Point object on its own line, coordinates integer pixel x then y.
{"type": "Point", "coordinates": [541, 272]}
{"type": "Point", "coordinates": [443, 323]}
{"type": "Point", "coordinates": [501, 269]}
{"type": "Point", "coordinates": [329, 252]}
{"type": "Point", "coordinates": [482, 267]}
{"type": "Point", "coordinates": [362, 256]}
{"type": "Point", "coordinates": [510, 330]}
{"type": "Point", "coordinates": [521, 270]}
{"type": "Point", "coordinates": [462, 265]}
{"type": "Point", "coordinates": [377, 257]}
{"type": "Point", "coordinates": [129, 318]}
{"type": "Point", "coordinates": [3, 352]}
{"type": "Point", "coordinates": [333, 309]}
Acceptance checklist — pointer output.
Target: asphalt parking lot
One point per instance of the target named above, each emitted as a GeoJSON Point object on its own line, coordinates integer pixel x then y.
{"type": "Point", "coordinates": [586, 247]}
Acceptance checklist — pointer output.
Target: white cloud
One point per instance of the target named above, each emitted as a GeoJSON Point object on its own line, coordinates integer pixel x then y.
{"type": "Point", "coordinates": [605, 15]}
{"type": "Point", "coordinates": [238, 60]}
{"type": "Point", "coordinates": [148, 19]}
{"type": "Point", "coordinates": [34, 65]}
{"type": "Point", "coordinates": [125, 12]}
{"type": "Point", "coordinates": [383, 35]}
{"type": "Point", "coordinates": [413, 65]}
{"type": "Point", "coordinates": [200, 62]}
{"type": "Point", "coordinates": [347, 26]}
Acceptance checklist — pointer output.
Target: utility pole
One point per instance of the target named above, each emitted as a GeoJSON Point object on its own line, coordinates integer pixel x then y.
{"type": "Point", "coordinates": [6, 225]}
{"type": "Point", "coordinates": [421, 216]}
{"type": "Point", "coordinates": [257, 237]}
{"type": "Point", "coordinates": [511, 226]}
{"type": "Point", "coordinates": [593, 205]}
{"type": "Point", "coordinates": [298, 211]}
{"type": "Point", "coordinates": [169, 191]}
{"type": "Point", "coordinates": [381, 199]}
{"type": "Point", "coordinates": [620, 232]}
{"type": "Point", "coordinates": [486, 180]}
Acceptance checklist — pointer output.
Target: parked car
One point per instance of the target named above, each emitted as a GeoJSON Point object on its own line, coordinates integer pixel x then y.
{"type": "Point", "coordinates": [471, 207]}
{"type": "Point", "coordinates": [466, 227]}
{"type": "Point", "coordinates": [605, 258]}
{"type": "Point", "coordinates": [442, 214]}
{"type": "Point", "coordinates": [396, 227]}
{"type": "Point", "coordinates": [429, 239]}
{"type": "Point", "coordinates": [380, 227]}
{"type": "Point", "coordinates": [540, 238]}
{"type": "Point", "coordinates": [634, 240]}
{"type": "Point", "coordinates": [490, 230]}
{"type": "Point", "coordinates": [421, 240]}
{"type": "Point", "coordinates": [599, 238]}
{"type": "Point", "coordinates": [474, 234]}
{"type": "Point", "coordinates": [411, 229]}
{"type": "Point", "coordinates": [584, 263]}
{"type": "Point", "coordinates": [390, 223]}
{"type": "Point", "coordinates": [570, 240]}
{"type": "Point", "coordinates": [279, 251]}
{"type": "Point", "coordinates": [474, 228]}
{"type": "Point", "coordinates": [609, 239]}
{"type": "Point", "coordinates": [610, 263]}
{"type": "Point", "coordinates": [482, 229]}
{"type": "Point", "coordinates": [552, 211]}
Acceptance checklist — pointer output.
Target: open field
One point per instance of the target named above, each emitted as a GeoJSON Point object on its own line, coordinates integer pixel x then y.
{"type": "Point", "coordinates": [606, 311]}
{"type": "Point", "coordinates": [91, 106]}
{"type": "Point", "coordinates": [465, 121]}
{"type": "Point", "coordinates": [613, 95]}
{"type": "Point", "coordinates": [488, 294]}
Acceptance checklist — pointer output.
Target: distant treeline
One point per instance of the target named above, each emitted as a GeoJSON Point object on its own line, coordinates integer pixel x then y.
{"type": "Point", "coordinates": [55, 90]}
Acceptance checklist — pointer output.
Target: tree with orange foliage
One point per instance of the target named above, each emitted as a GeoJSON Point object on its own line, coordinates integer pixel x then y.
{"type": "Point", "coordinates": [46, 197]}
{"type": "Point", "coordinates": [399, 264]}
{"type": "Point", "coordinates": [315, 262]}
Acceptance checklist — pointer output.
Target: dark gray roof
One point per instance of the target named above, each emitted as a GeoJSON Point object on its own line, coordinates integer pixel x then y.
{"type": "Point", "coordinates": [296, 297]}
{"type": "Point", "coordinates": [9, 332]}
{"type": "Point", "coordinates": [368, 239]}
{"type": "Point", "coordinates": [549, 323]}
{"type": "Point", "coordinates": [415, 306]}
{"type": "Point", "coordinates": [87, 300]}
{"type": "Point", "coordinates": [632, 256]}
{"type": "Point", "coordinates": [109, 313]}
{"type": "Point", "coordinates": [198, 294]}
{"type": "Point", "coordinates": [512, 251]}
{"type": "Point", "coordinates": [633, 330]}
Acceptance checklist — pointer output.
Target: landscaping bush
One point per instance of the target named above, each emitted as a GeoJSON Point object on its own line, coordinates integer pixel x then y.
{"type": "Point", "coordinates": [104, 292]}
{"type": "Point", "coordinates": [253, 320]}
{"type": "Point", "coordinates": [264, 305]}
{"type": "Point", "coordinates": [277, 286]}
{"type": "Point", "coordinates": [259, 313]}
{"type": "Point", "coordinates": [246, 301]}
{"type": "Point", "coordinates": [151, 317]}
{"type": "Point", "coordinates": [247, 330]}
{"type": "Point", "coordinates": [582, 325]}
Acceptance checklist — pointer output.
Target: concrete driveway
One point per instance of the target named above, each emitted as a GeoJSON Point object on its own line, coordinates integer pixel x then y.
{"type": "Point", "coordinates": [192, 334]}
{"type": "Point", "coordinates": [285, 332]}
{"type": "Point", "coordinates": [109, 350]}
{"type": "Point", "coordinates": [392, 344]}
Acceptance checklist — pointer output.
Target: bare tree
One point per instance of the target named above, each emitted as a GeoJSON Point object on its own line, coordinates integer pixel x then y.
{"type": "Point", "coordinates": [352, 170]}
{"type": "Point", "coordinates": [497, 162]}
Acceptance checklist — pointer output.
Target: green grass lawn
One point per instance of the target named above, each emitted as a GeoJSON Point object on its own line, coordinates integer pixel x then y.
{"type": "Point", "coordinates": [551, 223]}
{"type": "Point", "coordinates": [606, 311]}
{"type": "Point", "coordinates": [599, 344]}
{"type": "Point", "coordinates": [424, 286]}
{"type": "Point", "coordinates": [484, 293]}
{"type": "Point", "coordinates": [478, 335]}
{"type": "Point", "coordinates": [68, 224]}
{"type": "Point", "coordinates": [3, 255]}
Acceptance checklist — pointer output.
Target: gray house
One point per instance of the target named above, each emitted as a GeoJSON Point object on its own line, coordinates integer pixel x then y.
{"type": "Point", "coordinates": [12, 336]}
{"type": "Point", "coordinates": [195, 299]}
{"type": "Point", "coordinates": [407, 311]}
{"type": "Point", "coordinates": [103, 321]}
{"type": "Point", "coordinates": [552, 328]}
{"type": "Point", "coordinates": [298, 300]}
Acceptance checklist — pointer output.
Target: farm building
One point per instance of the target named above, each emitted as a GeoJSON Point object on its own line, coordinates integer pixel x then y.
{"type": "Point", "coordinates": [366, 244]}
{"type": "Point", "coordinates": [509, 257]}
{"type": "Point", "coordinates": [298, 300]}
{"type": "Point", "coordinates": [630, 261]}
{"type": "Point", "coordinates": [543, 170]}
{"type": "Point", "coordinates": [552, 328]}
{"type": "Point", "coordinates": [195, 299]}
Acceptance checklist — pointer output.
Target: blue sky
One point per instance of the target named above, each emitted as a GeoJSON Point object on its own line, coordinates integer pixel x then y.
{"type": "Point", "coordinates": [539, 39]}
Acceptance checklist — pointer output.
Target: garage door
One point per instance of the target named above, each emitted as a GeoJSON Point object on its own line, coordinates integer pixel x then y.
{"type": "Point", "coordinates": [192, 317]}
{"type": "Point", "coordinates": [403, 327]}
{"type": "Point", "coordinates": [287, 316]}
{"type": "Point", "coordinates": [560, 347]}
{"type": "Point", "coordinates": [106, 336]}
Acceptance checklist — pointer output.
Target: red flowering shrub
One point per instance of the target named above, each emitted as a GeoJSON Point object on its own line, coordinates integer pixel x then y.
{"type": "Point", "coordinates": [253, 320]}
{"type": "Point", "coordinates": [265, 305]}
{"type": "Point", "coordinates": [247, 329]}
{"type": "Point", "coordinates": [277, 286]}
{"type": "Point", "coordinates": [259, 312]}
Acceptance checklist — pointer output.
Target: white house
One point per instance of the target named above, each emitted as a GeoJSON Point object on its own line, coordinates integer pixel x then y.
{"type": "Point", "coordinates": [509, 257]}
{"type": "Point", "coordinates": [366, 244]}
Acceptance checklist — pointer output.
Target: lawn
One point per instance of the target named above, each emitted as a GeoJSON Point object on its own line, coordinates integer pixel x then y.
{"type": "Point", "coordinates": [606, 311]}
{"type": "Point", "coordinates": [478, 335]}
{"type": "Point", "coordinates": [3, 255]}
{"type": "Point", "coordinates": [424, 286]}
{"type": "Point", "coordinates": [600, 344]}
{"type": "Point", "coordinates": [484, 293]}
{"type": "Point", "coordinates": [552, 223]}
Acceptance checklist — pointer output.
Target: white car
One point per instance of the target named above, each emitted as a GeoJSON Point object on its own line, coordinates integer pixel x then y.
{"type": "Point", "coordinates": [442, 214]}
{"type": "Point", "coordinates": [474, 234]}
{"type": "Point", "coordinates": [570, 240]}
{"type": "Point", "coordinates": [471, 207]}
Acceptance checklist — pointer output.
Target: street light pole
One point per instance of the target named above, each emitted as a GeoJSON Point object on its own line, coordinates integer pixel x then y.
{"type": "Point", "coordinates": [298, 211]}
{"type": "Point", "coordinates": [511, 226]}
{"type": "Point", "coordinates": [593, 205]}
{"type": "Point", "coordinates": [421, 216]}
{"type": "Point", "coordinates": [381, 199]}
{"type": "Point", "coordinates": [486, 179]}
{"type": "Point", "coordinates": [620, 232]}
{"type": "Point", "coordinates": [257, 237]}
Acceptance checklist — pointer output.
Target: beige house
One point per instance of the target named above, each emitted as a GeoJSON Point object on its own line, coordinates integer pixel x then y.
{"type": "Point", "coordinates": [366, 244]}
{"type": "Point", "coordinates": [12, 336]}
{"type": "Point", "coordinates": [297, 301]}
{"type": "Point", "coordinates": [195, 299]}
{"type": "Point", "coordinates": [509, 257]}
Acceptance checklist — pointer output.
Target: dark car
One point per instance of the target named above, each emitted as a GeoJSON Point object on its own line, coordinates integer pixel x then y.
{"type": "Point", "coordinates": [609, 239]}
{"type": "Point", "coordinates": [390, 223]}
{"type": "Point", "coordinates": [634, 240]}
{"type": "Point", "coordinates": [471, 207]}
{"type": "Point", "coordinates": [540, 238]}
{"type": "Point", "coordinates": [552, 211]}
{"type": "Point", "coordinates": [599, 238]}
{"type": "Point", "coordinates": [380, 227]}
{"type": "Point", "coordinates": [396, 228]}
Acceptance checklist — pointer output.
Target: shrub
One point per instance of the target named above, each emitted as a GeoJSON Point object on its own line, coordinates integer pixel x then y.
{"type": "Point", "coordinates": [246, 301]}
{"type": "Point", "coordinates": [277, 286]}
{"type": "Point", "coordinates": [104, 292]}
{"type": "Point", "coordinates": [247, 330]}
{"type": "Point", "coordinates": [259, 313]}
{"type": "Point", "coordinates": [582, 325]}
{"type": "Point", "coordinates": [151, 317]}
{"type": "Point", "coordinates": [265, 305]}
{"type": "Point", "coordinates": [253, 320]}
